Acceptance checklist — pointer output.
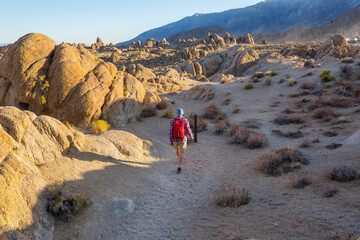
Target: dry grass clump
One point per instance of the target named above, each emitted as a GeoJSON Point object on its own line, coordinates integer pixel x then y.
{"type": "Point", "coordinates": [336, 102]}
{"type": "Point", "coordinates": [347, 71]}
{"type": "Point", "coordinates": [239, 134]}
{"type": "Point", "coordinates": [307, 86]}
{"type": "Point", "coordinates": [65, 207]}
{"type": "Point", "coordinates": [236, 109]}
{"type": "Point", "coordinates": [268, 82]}
{"type": "Point", "coordinates": [343, 174]}
{"type": "Point", "coordinates": [212, 112]}
{"type": "Point", "coordinates": [300, 179]}
{"type": "Point", "coordinates": [281, 161]}
{"type": "Point", "coordinates": [347, 60]}
{"type": "Point", "coordinates": [294, 94]}
{"type": "Point", "coordinates": [292, 82]}
{"type": "Point", "coordinates": [329, 193]}
{"type": "Point", "coordinates": [256, 140]}
{"type": "Point", "coordinates": [99, 126]}
{"type": "Point", "coordinates": [289, 134]}
{"type": "Point", "coordinates": [202, 125]}
{"type": "Point", "coordinates": [149, 112]}
{"type": "Point", "coordinates": [163, 104]}
{"type": "Point", "coordinates": [228, 196]}
{"type": "Point", "coordinates": [325, 113]}
{"type": "Point", "coordinates": [306, 143]}
{"type": "Point", "coordinates": [289, 119]}
{"type": "Point", "coordinates": [220, 128]}
{"type": "Point", "coordinates": [357, 92]}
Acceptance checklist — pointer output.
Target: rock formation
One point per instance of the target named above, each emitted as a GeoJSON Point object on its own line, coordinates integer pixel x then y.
{"type": "Point", "coordinates": [28, 142]}
{"type": "Point", "coordinates": [67, 82]}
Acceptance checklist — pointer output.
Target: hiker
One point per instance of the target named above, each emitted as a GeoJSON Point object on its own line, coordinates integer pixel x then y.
{"type": "Point", "coordinates": [179, 128]}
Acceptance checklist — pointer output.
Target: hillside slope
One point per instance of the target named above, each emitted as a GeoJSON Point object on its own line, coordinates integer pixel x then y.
{"type": "Point", "coordinates": [270, 16]}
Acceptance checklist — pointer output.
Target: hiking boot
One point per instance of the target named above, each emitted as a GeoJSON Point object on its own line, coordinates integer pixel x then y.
{"type": "Point", "coordinates": [179, 170]}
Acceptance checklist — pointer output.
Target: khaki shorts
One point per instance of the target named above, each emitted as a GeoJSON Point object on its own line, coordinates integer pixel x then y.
{"type": "Point", "coordinates": [180, 145]}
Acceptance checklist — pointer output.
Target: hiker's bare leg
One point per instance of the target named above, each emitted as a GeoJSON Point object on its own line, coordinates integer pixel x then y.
{"type": "Point", "coordinates": [180, 158]}
{"type": "Point", "coordinates": [177, 152]}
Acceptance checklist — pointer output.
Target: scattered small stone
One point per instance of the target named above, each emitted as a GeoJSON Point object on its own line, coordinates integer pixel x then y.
{"type": "Point", "coordinates": [122, 206]}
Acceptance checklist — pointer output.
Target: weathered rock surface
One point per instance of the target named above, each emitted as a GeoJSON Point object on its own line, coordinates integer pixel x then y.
{"type": "Point", "coordinates": [202, 92]}
{"type": "Point", "coordinates": [28, 143]}
{"type": "Point", "coordinates": [67, 81]}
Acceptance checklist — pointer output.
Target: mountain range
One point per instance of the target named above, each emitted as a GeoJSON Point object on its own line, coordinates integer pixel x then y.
{"type": "Point", "coordinates": [269, 16]}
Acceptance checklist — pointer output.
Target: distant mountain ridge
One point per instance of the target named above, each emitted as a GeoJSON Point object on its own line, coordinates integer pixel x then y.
{"type": "Point", "coordinates": [198, 33]}
{"type": "Point", "coordinates": [270, 16]}
{"type": "Point", "coordinates": [347, 25]}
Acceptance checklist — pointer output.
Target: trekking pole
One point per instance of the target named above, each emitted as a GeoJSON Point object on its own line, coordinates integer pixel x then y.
{"type": "Point", "coordinates": [195, 128]}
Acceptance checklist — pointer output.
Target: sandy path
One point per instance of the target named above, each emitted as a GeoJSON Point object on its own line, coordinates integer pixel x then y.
{"type": "Point", "coordinates": [172, 206]}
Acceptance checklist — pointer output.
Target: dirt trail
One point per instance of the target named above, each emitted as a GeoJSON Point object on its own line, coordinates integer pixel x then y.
{"type": "Point", "coordinates": [179, 206]}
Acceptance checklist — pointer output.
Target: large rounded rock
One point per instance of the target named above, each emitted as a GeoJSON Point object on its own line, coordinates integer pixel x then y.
{"type": "Point", "coordinates": [23, 63]}
{"type": "Point", "coordinates": [68, 69]}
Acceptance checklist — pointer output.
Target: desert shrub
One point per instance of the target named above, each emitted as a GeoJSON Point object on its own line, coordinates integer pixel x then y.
{"type": "Point", "coordinates": [202, 125]}
{"type": "Point", "coordinates": [340, 102]}
{"type": "Point", "coordinates": [289, 134]}
{"type": "Point", "coordinates": [307, 86]}
{"type": "Point", "coordinates": [305, 143]}
{"type": "Point", "coordinates": [149, 112]}
{"type": "Point", "coordinates": [281, 80]}
{"type": "Point", "coordinates": [325, 113]}
{"type": "Point", "coordinates": [169, 114]}
{"type": "Point", "coordinates": [281, 161]}
{"type": "Point", "coordinates": [308, 74]}
{"type": "Point", "coordinates": [42, 99]}
{"type": "Point", "coordinates": [239, 134]}
{"type": "Point", "coordinates": [292, 82]}
{"type": "Point", "coordinates": [163, 104]}
{"type": "Point", "coordinates": [300, 179]}
{"type": "Point", "coordinates": [99, 126]}
{"type": "Point", "coordinates": [66, 207]}
{"type": "Point", "coordinates": [309, 63]}
{"type": "Point", "coordinates": [236, 108]}
{"type": "Point", "coordinates": [333, 146]}
{"type": "Point", "coordinates": [226, 102]}
{"type": "Point", "coordinates": [259, 75]}
{"type": "Point", "coordinates": [329, 193]}
{"type": "Point", "coordinates": [248, 86]}
{"type": "Point", "coordinates": [347, 60]}
{"type": "Point", "coordinates": [289, 119]}
{"type": "Point", "coordinates": [228, 196]}
{"type": "Point", "coordinates": [220, 128]}
{"type": "Point", "coordinates": [346, 71]}
{"type": "Point", "coordinates": [357, 92]}
{"type": "Point", "coordinates": [294, 94]}
{"type": "Point", "coordinates": [268, 82]}
{"type": "Point", "coordinates": [325, 76]}
{"type": "Point", "coordinates": [256, 140]}
{"type": "Point", "coordinates": [343, 174]}
{"type": "Point", "coordinates": [271, 73]}
{"type": "Point", "coordinates": [212, 112]}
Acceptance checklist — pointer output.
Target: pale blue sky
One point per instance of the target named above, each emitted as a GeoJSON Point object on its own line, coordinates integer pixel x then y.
{"type": "Point", "coordinates": [111, 20]}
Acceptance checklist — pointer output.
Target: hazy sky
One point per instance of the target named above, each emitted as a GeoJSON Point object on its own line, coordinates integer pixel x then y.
{"type": "Point", "coordinates": [111, 20]}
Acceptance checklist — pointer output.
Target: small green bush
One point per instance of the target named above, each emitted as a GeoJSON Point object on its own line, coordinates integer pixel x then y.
{"type": "Point", "coordinates": [42, 99]}
{"type": "Point", "coordinates": [169, 113]}
{"type": "Point", "coordinates": [99, 126]}
{"type": "Point", "coordinates": [271, 73]}
{"type": "Point", "coordinates": [325, 76]}
{"type": "Point", "coordinates": [248, 86]}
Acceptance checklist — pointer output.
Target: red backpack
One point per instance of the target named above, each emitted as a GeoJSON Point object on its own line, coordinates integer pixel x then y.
{"type": "Point", "coordinates": [179, 129]}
